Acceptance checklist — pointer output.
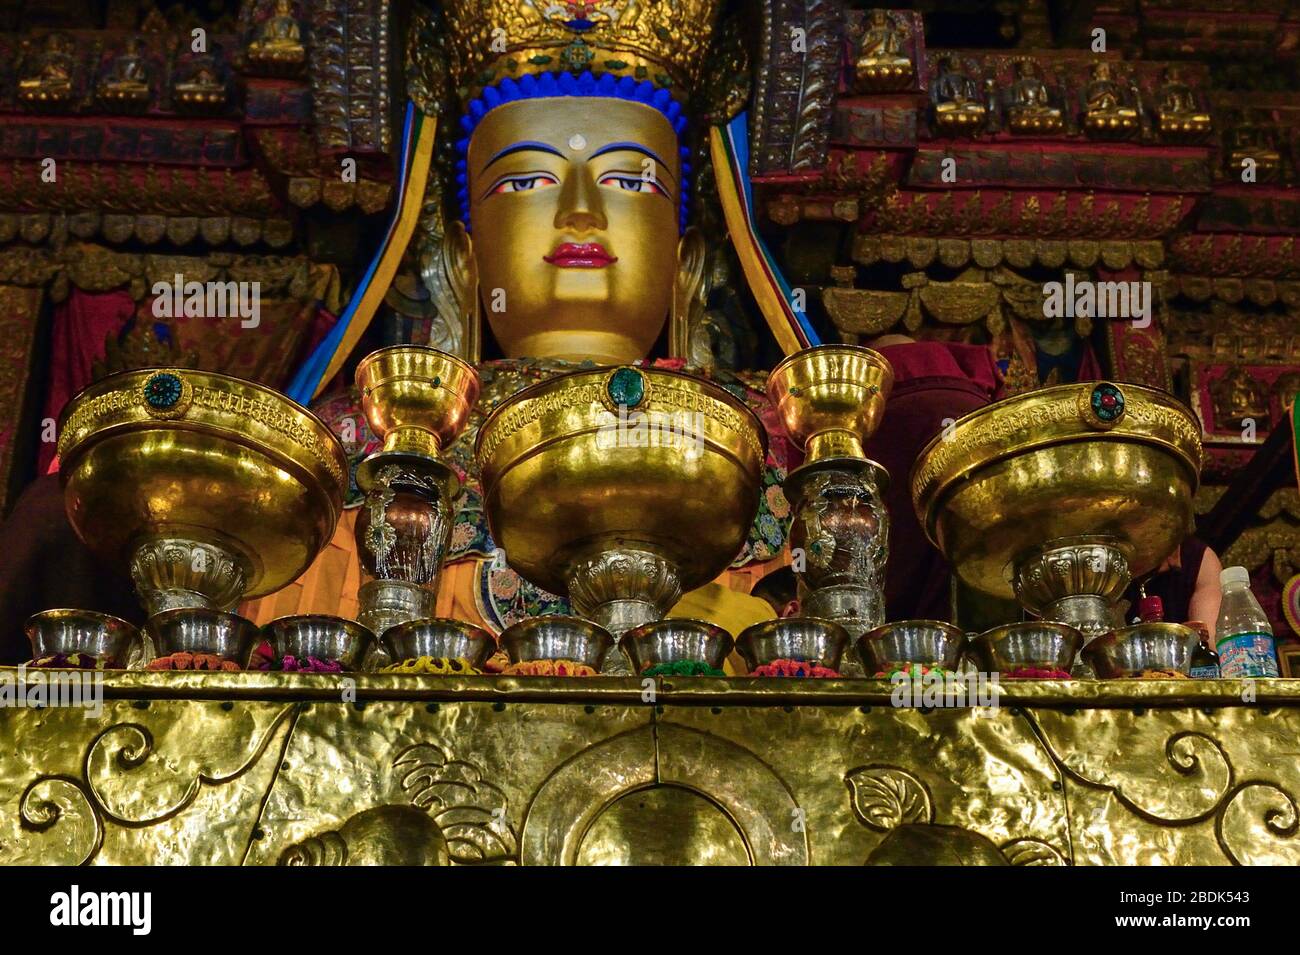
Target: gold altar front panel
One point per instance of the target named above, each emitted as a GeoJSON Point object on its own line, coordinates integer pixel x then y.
{"type": "Point", "coordinates": [150, 781]}
{"type": "Point", "coordinates": [310, 769]}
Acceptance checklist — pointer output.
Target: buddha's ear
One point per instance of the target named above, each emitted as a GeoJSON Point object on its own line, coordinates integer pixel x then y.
{"type": "Point", "coordinates": [688, 293]}
{"type": "Point", "coordinates": [451, 275]}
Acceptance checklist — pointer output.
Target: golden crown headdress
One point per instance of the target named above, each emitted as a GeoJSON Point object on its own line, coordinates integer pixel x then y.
{"type": "Point", "coordinates": [660, 41]}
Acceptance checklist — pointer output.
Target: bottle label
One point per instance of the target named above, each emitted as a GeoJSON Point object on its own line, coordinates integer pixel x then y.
{"type": "Point", "coordinates": [1245, 655]}
{"type": "Point", "coordinates": [1207, 672]}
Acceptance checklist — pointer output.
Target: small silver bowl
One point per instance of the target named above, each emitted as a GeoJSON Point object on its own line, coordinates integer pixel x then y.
{"type": "Point", "coordinates": [1041, 644]}
{"type": "Point", "coordinates": [557, 638]}
{"type": "Point", "coordinates": [194, 630]}
{"type": "Point", "coordinates": [106, 638]}
{"type": "Point", "coordinates": [1125, 653]}
{"type": "Point", "coordinates": [901, 644]}
{"type": "Point", "coordinates": [805, 639]}
{"type": "Point", "coordinates": [321, 636]}
{"type": "Point", "coordinates": [439, 637]}
{"type": "Point", "coordinates": [676, 641]}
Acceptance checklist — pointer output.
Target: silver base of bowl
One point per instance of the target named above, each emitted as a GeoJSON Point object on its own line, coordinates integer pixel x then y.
{"type": "Point", "coordinates": [107, 638]}
{"type": "Point", "coordinates": [1127, 652]}
{"type": "Point", "coordinates": [439, 637]}
{"type": "Point", "coordinates": [557, 638]}
{"type": "Point", "coordinates": [1040, 644]}
{"type": "Point", "coordinates": [676, 641]}
{"type": "Point", "coordinates": [321, 636]}
{"type": "Point", "coordinates": [805, 639]}
{"type": "Point", "coordinates": [905, 642]}
{"type": "Point", "coordinates": [195, 630]}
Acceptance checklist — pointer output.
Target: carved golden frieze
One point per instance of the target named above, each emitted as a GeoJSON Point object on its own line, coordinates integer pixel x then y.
{"type": "Point", "coordinates": [1233, 290]}
{"type": "Point", "coordinates": [126, 188]}
{"type": "Point", "coordinates": [1058, 215]}
{"type": "Point", "coordinates": [920, 252]}
{"type": "Point", "coordinates": [94, 268]}
{"type": "Point", "coordinates": [55, 228]}
{"type": "Point", "coordinates": [976, 295]}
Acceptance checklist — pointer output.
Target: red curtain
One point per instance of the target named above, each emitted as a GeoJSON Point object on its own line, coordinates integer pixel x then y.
{"type": "Point", "coordinates": [268, 354]}
{"type": "Point", "coordinates": [81, 325]}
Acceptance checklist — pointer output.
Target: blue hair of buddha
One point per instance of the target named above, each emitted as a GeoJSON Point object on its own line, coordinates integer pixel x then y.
{"type": "Point", "coordinates": [547, 85]}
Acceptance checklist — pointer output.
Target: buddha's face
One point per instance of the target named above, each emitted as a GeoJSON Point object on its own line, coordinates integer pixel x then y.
{"type": "Point", "coordinates": [574, 214]}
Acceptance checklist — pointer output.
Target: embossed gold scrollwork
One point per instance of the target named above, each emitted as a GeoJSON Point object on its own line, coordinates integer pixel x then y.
{"type": "Point", "coordinates": [327, 849]}
{"type": "Point", "coordinates": [471, 812]}
{"type": "Point", "coordinates": [1245, 824]}
{"type": "Point", "coordinates": [132, 784]}
{"type": "Point", "coordinates": [454, 816]}
{"type": "Point", "coordinates": [895, 801]}
{"type": "Point", "coordinates": [61, 824]}
{"type": "Point", "coordinates": [1201, 777]}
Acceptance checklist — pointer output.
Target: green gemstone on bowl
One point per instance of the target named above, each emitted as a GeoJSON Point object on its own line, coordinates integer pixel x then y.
{"type": "Point", "coordinates": [626, 387]}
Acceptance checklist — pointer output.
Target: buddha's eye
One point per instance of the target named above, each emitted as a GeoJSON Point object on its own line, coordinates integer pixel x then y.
{"type": "Point", "coordinates": [523, 183]}
{"type": "Point", "coordinates": [632, 184]}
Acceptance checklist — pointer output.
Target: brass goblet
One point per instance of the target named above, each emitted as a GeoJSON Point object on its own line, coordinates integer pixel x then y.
{"type": "Point", "coordinates": [831, 399]}
{"type": "Point", "coordinates": [418, 400]}
{"type": "Point", "coordinates": [1060, 496]}
{"type": "Point", "coordinates": [211, 488]}
{"type": "Point", "coordinates": [621, 487]}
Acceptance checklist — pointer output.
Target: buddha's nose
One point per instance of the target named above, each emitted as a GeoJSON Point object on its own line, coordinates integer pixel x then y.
{"type": "Point", "coordinates": [581, 208]}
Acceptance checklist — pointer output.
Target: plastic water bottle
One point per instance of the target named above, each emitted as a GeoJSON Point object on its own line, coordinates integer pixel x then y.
{"type": "Point", "coordinates": [1244, 635]}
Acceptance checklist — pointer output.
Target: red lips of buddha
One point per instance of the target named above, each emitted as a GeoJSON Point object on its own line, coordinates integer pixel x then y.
{"type": "Point", "coordinates": [580, 255]}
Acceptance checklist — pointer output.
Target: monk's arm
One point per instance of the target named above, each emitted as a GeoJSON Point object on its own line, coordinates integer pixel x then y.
{"type": "Point", "coordinates": [1204, 604]}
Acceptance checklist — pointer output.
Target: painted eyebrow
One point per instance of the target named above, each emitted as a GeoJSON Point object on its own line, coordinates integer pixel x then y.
{"type": "Point", "coordinates": [631, 147]}
{"type": "Point", "coordinates": [526, 146]}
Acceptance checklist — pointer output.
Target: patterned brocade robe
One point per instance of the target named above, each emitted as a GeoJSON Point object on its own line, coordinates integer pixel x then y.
{"type": "Point", "coordinates": [478, 587]}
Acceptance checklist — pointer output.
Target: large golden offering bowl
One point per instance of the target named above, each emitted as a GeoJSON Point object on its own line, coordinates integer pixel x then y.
{"type": "Point", "coordinates": [1061, 494]}
{"type": "Point", "coordinates": [621, 487]}
{"type": "Point", "coordinates": [416, 398]}
{"type": "Point", "coordinates": [211, 488]}
{"type": "Point", "coordinates": [831, 399]}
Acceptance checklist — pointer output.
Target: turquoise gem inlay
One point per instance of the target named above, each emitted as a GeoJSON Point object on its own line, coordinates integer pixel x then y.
{"type": "Point", "coordinates": [1107, 402]}
{"type": "Point", "coordinates": [162, 391]}
{"type": "Point", "coordinates": [626, 387]}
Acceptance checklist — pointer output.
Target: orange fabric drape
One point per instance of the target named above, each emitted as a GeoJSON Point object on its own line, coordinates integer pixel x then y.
{"type": "Point", "coordinates": [329, 586]}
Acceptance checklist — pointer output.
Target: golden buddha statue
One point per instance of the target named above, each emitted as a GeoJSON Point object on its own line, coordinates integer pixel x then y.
{"type": "Point", "coordinates": [200, 83]}
{"type": "Point", "coordinates": [1251, 140]}
{"type": "Point", "coordinates": [127, 81]}
{"type": "Point", "coordinates": [1110, 111]}
{"type": "Point", "coordinates": [881, 62]}
{"type": "Point", "coordinates": [1178, 115]}
{"type": "Point", "coordinates": [279, 39]}
{"type": "Point", "coordinates": [1031, 109]}
{"type": "Point", "coordinates": [956, 100]}
{"type": "Point", "coordinates": [1238, 396]}
{"type": "Point", "coordinates": [49, 78]}
{"type": "Point", "coordinates": [572, 247]}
